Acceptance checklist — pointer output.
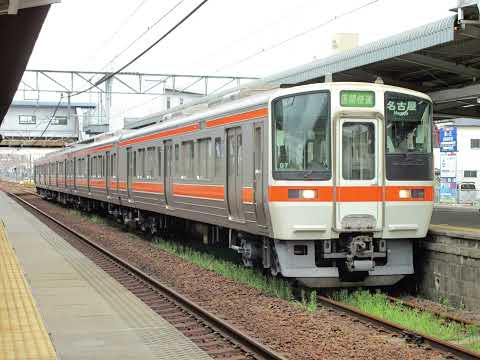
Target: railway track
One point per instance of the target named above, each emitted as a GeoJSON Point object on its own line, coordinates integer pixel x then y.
{"type": "Point", "coordinates": [411, 336]}
{"type": "Point", "coordinates": [442, 315]}
{"type": "Point", "coordinates": [213, 335]}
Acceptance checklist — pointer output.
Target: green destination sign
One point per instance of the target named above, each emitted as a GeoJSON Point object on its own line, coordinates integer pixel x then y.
{"type": "Point", "coordinates": [357, 98]}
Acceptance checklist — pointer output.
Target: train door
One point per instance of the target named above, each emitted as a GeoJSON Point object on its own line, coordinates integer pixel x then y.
{"type": "Point", "coordinates": [359, 194]}
{"type": "Point", "coordinates": [129, 171]}
{"type": "Point", "coordinates": [258, 186]}
{"type": "Point", "coordinates": [167, 171]}
{"type": "Point", "coordinates": [108, 172]}
{"type": "Point", "coordinates": [235, 173]}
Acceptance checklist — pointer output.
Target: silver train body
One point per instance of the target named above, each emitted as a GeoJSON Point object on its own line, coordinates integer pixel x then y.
{"type": "Point", "coordinates": [328, 184]}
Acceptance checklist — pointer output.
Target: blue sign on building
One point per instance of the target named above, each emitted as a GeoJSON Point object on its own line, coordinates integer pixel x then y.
{"type": "Point", "coordinates": [448, 190]}
{"type": "Point", "coordinates": [448, 139]}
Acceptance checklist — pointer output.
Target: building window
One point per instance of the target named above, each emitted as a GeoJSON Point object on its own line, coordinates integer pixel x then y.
{"type": "Point", "coordinates": [59, 120]}
{"type": "Point", "coordinates": [470, 173]}
{"type": "Point", "coordinates": [475, 143]}
{"type": "Point", "coordinates": [27, 119]}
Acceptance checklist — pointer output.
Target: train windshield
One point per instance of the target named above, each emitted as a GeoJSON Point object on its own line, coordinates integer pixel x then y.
{"type": "Point", "coordinates": [301, 137]}
{"type": "Point", "coordinates": [408, 124]}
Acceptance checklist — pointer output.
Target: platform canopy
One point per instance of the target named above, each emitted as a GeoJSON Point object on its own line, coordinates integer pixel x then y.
{"type": "Point", "coordinates": [441, 59]}
{"type": "Point", "coordinates": [20, 24]}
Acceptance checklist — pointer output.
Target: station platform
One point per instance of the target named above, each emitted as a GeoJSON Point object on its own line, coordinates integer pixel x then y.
{"type": "Point", "coordinates": [86, 313]}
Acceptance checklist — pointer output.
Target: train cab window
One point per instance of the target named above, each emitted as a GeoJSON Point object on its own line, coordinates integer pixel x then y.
{"type": "Point", "coordinates": [204, 156]}
{"type": "Point", "coordinates": [408, 140]}
{"type": "Point", "coordinates": [301, 137]}
{"type": "Point", "coordinates": [188, 153]}
{"type": "Point", "coordinates": [408, 124]}
{"type": "Point", "coordinates": [218, 156]}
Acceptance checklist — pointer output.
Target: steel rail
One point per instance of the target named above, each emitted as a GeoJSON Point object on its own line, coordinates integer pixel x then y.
{"type": "Point", "coordinates": [440, 314]}
{"type": "Point", "coordinates": [251, 346]}
{"type": "Point", "coordinates": [413, 336]}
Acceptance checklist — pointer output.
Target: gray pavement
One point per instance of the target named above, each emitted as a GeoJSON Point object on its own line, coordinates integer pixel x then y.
{"type": "Point", "coordinates": [456, 216]}
{"type": "Point", "coordinates": [88, 314]}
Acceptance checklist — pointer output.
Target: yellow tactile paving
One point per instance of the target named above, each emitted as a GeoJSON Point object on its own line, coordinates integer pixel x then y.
{"type": "Point", "coordinates": [22, 333]}
{"type": "Point", "coordinates": [454, 228]}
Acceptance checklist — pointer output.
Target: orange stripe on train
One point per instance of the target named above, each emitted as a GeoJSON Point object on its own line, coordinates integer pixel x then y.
{"type": "Point", "coordinates": [350, 193]}
{"type": "Point", "coordinates": [238, 117]}
{"type": "Point", "coordinates": [161, 134]}
{"type": "Point", "coordinates": [210, 192]}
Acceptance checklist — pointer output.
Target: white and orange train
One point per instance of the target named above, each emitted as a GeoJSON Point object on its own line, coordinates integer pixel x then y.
{"type": "Point", "coordinates": [329, 184]}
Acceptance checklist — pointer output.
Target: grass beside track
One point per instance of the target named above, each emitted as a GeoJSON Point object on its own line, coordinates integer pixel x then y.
{"type": "Point", "coordinates": [274, 287]}
{"type": "Point", "coordinates": [250, 277]}
{"type": "Point", "coordinates": [420, 321]}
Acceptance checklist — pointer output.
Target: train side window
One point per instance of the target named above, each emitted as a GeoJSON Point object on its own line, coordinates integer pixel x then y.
{"type": "Point", "coordinates": [218, 156]}
{"type": "Point", "coordinates": [159, 161]}
{"type": "Point", "coordinates": [204, 155]}
{"type": "Point", "coordinates": [134, 165]}
{"type": "Point", "coordinates": [150, 163]}
{"type": "Point", "coordinates": [141, 163]}
{"type": "Point", "coordinates": [177, 160]}
{"type": "Point", "coordinates": [188, 154]}
{"type": "Point", "coordinates": [113, 168]}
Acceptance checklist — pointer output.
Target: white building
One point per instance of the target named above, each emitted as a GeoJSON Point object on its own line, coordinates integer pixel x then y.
{"type": "Point", "coordinates": [468, 150]}
{"type": "Point", "coordinates": [30, 120]}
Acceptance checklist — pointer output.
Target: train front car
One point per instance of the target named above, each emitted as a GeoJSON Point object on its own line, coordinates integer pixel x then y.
{"type": "Point", "coordinates": [351, 182]}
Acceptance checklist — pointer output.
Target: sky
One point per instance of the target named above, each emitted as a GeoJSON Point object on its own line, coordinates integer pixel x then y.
{"type": "Point", "coordinates": [225, 37]}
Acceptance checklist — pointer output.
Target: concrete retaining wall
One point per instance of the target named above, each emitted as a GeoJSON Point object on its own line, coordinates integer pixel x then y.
{"type": "Point", "coordinates": [448, 268]}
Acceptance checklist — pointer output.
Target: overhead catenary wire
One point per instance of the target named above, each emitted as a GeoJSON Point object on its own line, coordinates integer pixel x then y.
{"type": "Point", "coordinates": [172, 29]}
{"type": "Point", "coordinates": [296, 36]}
{"type": "Point", "coordinates": [316, 27]}
{"type": "Point", "coordinates": [51, 118]}
{"type": "Point", "coordinates": [143, 33]}
{"type": "Point", "coordinates": [122, 25]}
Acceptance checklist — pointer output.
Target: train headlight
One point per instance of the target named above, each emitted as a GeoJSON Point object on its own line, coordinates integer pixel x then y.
{"type": "Point", "coordinates": [308, 194]}
{"type": "Point", "coordinates": [404, 194]}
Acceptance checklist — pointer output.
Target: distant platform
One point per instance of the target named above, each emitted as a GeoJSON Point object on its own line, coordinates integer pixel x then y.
{"type": "Point", "coordinates": [464, 218]}
{"type": "Point", "coordinates": [87, 313]}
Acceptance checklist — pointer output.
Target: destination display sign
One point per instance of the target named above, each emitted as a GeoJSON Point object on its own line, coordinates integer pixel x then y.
{"type": "Point", "coordinates": [357, 98]}
{"type": "Point", "coordinates": [405, 109]}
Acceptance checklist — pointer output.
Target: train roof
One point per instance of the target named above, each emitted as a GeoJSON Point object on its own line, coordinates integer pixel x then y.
{"type": "Point", "coordinates": [231, 103]}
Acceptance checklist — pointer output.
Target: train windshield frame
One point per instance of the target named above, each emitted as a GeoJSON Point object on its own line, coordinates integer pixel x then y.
{"type": "Point", "coordinates": [301, 136]}
{"type": "Point", "coordinates": [408, 137]}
